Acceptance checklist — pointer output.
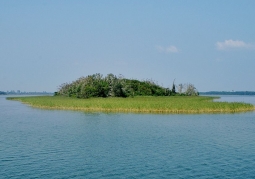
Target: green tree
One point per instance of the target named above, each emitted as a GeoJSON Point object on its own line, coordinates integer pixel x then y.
{"type": "Point", "coordinates": [173, 88]}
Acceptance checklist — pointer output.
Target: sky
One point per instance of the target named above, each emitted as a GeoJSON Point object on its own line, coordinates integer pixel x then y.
{"type": "Point", "coordinates": [210, 44]}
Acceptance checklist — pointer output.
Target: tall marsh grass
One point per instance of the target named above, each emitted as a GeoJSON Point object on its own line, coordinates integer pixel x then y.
{"type": "Point", "coordinates": [170, 104]}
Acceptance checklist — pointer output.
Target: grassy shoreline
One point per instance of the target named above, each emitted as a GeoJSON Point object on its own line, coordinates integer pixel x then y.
{"type": "Point", "coordinates": [172, 104]}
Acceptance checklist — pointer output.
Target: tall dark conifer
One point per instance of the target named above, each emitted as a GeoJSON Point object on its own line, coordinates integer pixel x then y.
{"type": "Point", "coordinates": [173, 88]}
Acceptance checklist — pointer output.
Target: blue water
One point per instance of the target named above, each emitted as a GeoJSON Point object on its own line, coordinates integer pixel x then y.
{"type": "Point", "coordinates": [37, 143]}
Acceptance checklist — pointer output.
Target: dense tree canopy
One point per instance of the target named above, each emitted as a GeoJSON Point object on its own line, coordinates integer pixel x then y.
{"type": "Point", "coordinates": [1, 92]}
{"type": "Point", "coordinates": [112, 86]}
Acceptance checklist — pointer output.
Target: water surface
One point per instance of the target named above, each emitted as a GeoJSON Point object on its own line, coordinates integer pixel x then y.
{"type": "Point", "coordinates": [37, 143]}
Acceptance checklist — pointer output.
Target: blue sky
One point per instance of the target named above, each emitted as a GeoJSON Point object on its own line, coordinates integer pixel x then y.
{"type": "Point", "coordinates": [210, 44]}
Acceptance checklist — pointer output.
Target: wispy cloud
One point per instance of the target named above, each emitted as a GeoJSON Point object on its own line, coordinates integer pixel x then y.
{"type": "Point", "coordinates": [233, 44]}
{"type": "Point", "coordinates": [169, 49]}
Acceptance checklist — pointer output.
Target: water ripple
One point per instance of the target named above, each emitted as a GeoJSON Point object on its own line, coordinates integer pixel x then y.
{"type": "Point", "coordinates": [59, 144]}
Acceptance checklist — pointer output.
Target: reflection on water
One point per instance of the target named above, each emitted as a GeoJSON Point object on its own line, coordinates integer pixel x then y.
{"type": "Point", "coordinates": [38, 143]}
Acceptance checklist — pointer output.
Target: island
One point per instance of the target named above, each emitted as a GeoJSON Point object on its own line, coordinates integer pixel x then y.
{"type": "Point", "coordinates": [96, 93]}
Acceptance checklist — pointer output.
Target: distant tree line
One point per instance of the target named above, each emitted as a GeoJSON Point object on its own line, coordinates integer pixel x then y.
{"type": "Point", "coordinates": [228, 93]}
{"type": "Point", "coordinates": [24, 93]}
{"type": "Point", "coordinates": [1, 92]}
{"type": "Point", "coordinates": [112, 86]}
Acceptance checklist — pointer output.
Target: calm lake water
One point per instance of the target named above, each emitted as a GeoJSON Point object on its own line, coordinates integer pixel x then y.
{"type": "Point", "coordinates": [37, 143]}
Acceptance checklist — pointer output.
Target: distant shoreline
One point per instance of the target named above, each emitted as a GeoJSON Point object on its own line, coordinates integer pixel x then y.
{"type": "Point", "coordinates": [246, 93]}
{"type": "Point", "coordinates": [242, 93]}
{"type": "Point", "coordinates": [27, 93]}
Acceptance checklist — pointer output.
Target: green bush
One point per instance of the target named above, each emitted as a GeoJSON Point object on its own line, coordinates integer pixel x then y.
{"type": "Point", "coordinates": [112, 86]}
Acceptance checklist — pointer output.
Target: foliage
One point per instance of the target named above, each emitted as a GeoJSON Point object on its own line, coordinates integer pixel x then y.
{"type": "Point", "coordinates": [1, 92]}
{"type": "Point", "coordinates": [187, 90]}
{"type": "Point", "coordinates": [173, 89]}
{"type": "Point", "coordinates": [112, 86]}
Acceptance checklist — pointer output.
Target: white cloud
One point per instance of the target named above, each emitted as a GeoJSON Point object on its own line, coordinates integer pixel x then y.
{"type": "Point", "coordinates": [232, 44]}
{"type": "Point", "coordinates": [160, 48]}
{"type": "Point", "coordinates": [169, 49]}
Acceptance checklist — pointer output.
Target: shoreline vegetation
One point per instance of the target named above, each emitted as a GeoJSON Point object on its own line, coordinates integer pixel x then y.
{"type": "Point", "coordinates": [97, 85]}
{"type": "Point", "coordinates": [96, 93]}
{"type": "Point", "coordinates": [137, 104]}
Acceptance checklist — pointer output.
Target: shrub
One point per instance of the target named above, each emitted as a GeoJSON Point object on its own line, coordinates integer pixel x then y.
{"type": "Point", "coordinates": [112, 86]}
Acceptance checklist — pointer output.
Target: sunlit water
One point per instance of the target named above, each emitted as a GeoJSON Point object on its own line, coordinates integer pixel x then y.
{"type": "Point", "coordinates": [37, 143]}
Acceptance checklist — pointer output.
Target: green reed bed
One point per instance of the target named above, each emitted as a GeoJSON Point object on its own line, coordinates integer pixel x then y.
{"type": "Point", "coordinates": [172, 104]}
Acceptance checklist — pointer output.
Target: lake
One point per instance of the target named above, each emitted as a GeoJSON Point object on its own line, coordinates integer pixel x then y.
{"type": "Point", "coordinates": [36, 143]}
